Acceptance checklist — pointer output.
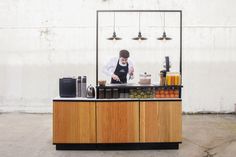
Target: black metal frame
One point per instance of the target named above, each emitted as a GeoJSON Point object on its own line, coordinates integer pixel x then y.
{"type": "Point", "coordinates": [175, 11]}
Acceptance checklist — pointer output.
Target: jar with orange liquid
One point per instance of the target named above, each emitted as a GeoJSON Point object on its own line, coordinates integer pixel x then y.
{"type": "Point", "coordinates": [173, 78]}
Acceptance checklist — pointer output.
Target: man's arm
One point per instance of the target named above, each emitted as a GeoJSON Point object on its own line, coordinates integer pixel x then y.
{"type": "Point", "coordinates": [131, 67]}
{"type": "Point", "coordinates": [109, 68]}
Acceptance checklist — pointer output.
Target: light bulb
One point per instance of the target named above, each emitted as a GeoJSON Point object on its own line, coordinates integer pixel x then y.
{"type": "Point", "coordinates": [139, 40]}
{"type": "Point", "coordinates": [114, 40]}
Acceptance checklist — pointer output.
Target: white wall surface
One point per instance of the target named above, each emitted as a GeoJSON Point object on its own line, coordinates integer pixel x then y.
{"type": "Point", "coordinates": [43, 40]}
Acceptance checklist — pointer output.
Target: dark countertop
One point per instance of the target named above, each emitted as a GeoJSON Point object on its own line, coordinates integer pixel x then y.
{"type": "Point", "coordinates": [135, 85]}
{"type": "Point", "coordinates": [118, 99]}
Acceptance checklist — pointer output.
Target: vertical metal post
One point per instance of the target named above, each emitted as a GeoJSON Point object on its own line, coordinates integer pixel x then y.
{"type": "Point", "coordinates": [97, 48]}
{"type": "Point", "coordinates": [180, 66]}
{"type": "Point", "coordinates": [180, 59]}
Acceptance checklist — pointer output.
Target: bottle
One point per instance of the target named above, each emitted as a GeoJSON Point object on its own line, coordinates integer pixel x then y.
{"type": "Point", "coordinates": [79, 81]}
{"type": "Point", "coordinates": [83, 86]}
{"type": "Point", "coordinates": [162, 78]}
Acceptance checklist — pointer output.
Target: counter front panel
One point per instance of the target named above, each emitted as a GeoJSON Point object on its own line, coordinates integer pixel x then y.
{"type": "Point", "coordinates": [127, 123]}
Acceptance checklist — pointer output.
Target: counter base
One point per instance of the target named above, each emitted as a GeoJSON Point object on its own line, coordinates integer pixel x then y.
{"type": "Point", "coordinates": [119, 146]}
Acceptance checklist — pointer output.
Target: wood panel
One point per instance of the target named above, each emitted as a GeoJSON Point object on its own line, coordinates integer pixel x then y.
{"type": "Point", "coordinates": [74, 122]}
{"type": "Point", "coordinates": [117, 122]}
{"type": "Point", "coordinates": [160, 121]}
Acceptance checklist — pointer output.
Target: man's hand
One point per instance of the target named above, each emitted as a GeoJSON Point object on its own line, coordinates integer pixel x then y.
{"type": "Point", "coordinates": [115, 77]}
{"type": "Point", "coordinates": [131, 71]}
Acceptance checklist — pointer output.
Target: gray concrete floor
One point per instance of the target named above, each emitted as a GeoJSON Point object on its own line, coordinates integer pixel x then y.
{"type": "Point", "coordinates": [23, 135]}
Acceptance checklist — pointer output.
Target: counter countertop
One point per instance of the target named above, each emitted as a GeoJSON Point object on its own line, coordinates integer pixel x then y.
{"type": "Point", "coordinates": [118, 99]}
{"type": "Point", "coordinates": [134, 85]}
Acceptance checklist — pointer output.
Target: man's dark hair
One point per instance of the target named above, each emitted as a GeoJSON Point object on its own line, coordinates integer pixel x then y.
{"type": "Point", "coordinates": [124, 53]}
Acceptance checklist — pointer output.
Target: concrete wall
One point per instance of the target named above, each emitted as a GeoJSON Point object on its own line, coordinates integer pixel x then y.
{"type": "Point", "coordinates": [43, 40]}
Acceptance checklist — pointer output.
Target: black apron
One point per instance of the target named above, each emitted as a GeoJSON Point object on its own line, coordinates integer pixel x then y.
{"type": "Point", "coordinates": [121, 72]}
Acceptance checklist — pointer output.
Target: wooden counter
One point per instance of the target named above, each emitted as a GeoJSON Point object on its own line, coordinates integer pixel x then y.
{"type": "Point", "coordinates": [74, 122]}
{"type": "Point", "coordinates": [117, 123]}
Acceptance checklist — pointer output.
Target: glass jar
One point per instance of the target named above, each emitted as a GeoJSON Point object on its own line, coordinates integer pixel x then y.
{"type": "Point", "coordinates": [173, 78]}
{"type": "Point", "coordinates": [115, 93]}
{"type": "Point", "coordinates": [122, 93]}
{"type": "Point", "coordinates": [101, 93]}
{"type": "Point", "coordinates": [162, 79]}
{"type": "Point", "coordinates": [108, 93]}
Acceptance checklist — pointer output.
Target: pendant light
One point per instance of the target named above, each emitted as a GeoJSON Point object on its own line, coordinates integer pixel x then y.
{"type": "Point", "coordinates": [164, 37]}
{"type": "Point", "coordinates": [114, 37]}
{"type": "Point", "coordinates": [139, 37]}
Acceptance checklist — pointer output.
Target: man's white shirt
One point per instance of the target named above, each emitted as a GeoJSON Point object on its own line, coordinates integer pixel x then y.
{"type": "Point", "coordinates": [110, 67]}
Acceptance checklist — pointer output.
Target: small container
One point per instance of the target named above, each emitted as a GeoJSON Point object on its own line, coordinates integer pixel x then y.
{"type": "Point", "coordinates": [162, 79]}
{"type": "Point", "coordinates": [145, 78]}
{"type": "Point", "coordinates": [122, 93]}
{"type": "Point", "coordinates": [126, 95]}
{"type": "Point", "coordinates": [108, 93]}
{"type": "Point", "coordinates": [115, 93]}
{"type": "Point", "coordinates": [101, 93]}
{"type": "Point", "coordinates": [102, 82]}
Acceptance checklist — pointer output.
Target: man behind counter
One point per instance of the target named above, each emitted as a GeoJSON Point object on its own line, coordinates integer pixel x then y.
{"type": "Point", "coordinates": [119, 68]}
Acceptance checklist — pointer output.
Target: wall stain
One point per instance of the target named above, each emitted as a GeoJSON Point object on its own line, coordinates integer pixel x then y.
{"type": "Point", "coordinates": [47, 36]}
{"type": "Point", "coordinates": [44, 32]}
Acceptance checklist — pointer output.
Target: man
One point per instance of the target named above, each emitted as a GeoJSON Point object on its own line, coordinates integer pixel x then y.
{"type": "Point", "coordinates": [118, 68]}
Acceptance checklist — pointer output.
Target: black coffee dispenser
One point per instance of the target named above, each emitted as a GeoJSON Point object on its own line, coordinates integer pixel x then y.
{"type": "Point", "coordinates": [67, 87]}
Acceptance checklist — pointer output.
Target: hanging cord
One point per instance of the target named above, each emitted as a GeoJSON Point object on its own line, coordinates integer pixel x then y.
{"type": "Point", "coordinates": [114, 18]}
{"type": "Point", "coordinates": [159, 8]}
{"type": "Point", "coordinates": [139, 23]}
{"type": "Point", "coordinates": [164, 20]}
